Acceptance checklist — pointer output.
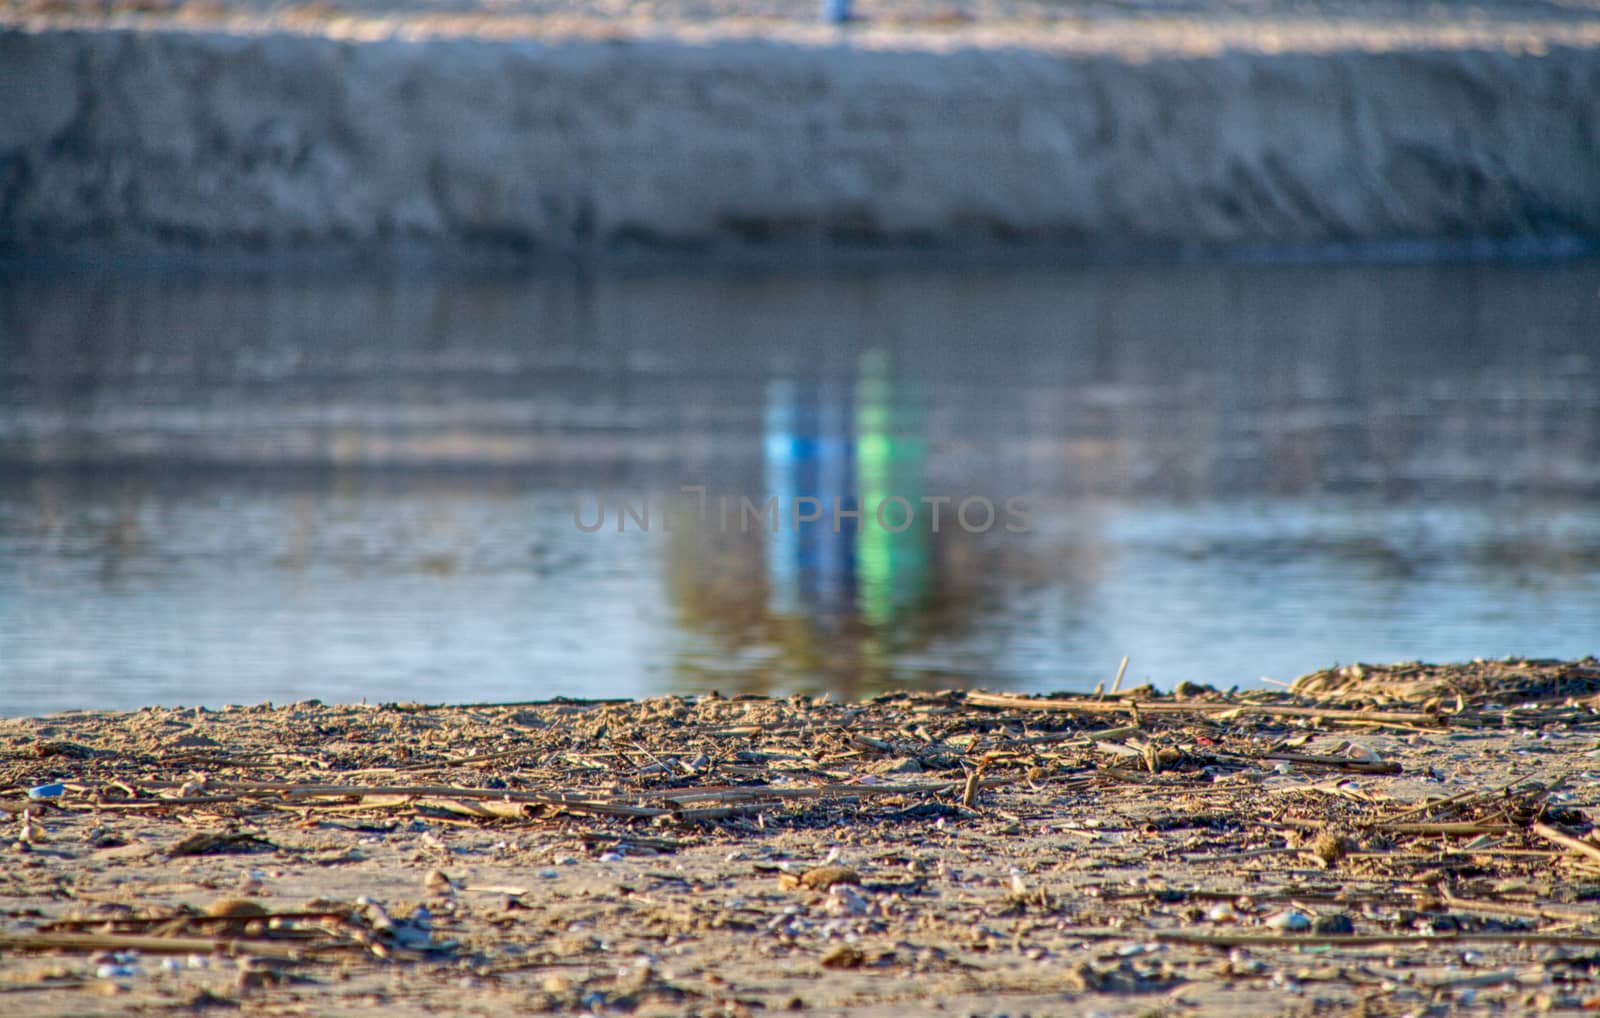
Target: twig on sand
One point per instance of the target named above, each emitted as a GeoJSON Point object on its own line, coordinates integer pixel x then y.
{"type": "Point", "coordinates": [1121, 669]}
{"type": "Point", "coordinates": [969, 793]}
{"type": "Point", "coordinates": [457, 799]}
{"type": "Point", "coordinates": [1343, 763]}
{"type": "Point", "coordinates": [1565, 840]}
{"type": "Point", "coordinates": [1280, 940]}
{"type": "Point", "coordinates": [1223, 708]}
{"type": "Point", "coordinates": [1448, 828]}
{"type": "Point", "coordinates": [151, 945]}
{"type": "Point", "coordinates": [1530, 911]}
{"type": "Point", "coordinates": [62, 925]}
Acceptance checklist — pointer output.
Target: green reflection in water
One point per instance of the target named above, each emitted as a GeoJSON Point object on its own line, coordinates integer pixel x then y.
{"type": "Point", "coordinates": [891, 450]}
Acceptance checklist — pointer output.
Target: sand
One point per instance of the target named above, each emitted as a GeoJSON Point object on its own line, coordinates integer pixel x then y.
{"type": "Point", "coordinates": [539, 128]}
{"type": "Point", "coordinates": [1401, 840]}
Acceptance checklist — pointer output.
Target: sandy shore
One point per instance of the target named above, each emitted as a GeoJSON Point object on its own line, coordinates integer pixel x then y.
{"type": "Point", "coordinates": [1403, 840]}
{"type": "Point", "coordinates": [551, 126]}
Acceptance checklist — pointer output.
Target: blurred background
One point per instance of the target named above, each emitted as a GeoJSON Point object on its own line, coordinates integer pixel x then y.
{"type": "Point", "coordinates": [235, 489]}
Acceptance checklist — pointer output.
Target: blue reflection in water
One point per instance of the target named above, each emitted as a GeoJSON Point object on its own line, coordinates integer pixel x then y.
{"type": "Point", "coordinates": [835, 455]}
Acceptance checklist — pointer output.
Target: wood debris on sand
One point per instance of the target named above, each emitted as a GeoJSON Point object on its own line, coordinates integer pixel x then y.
{"type": "Point", "coordinates": [1411, 838]}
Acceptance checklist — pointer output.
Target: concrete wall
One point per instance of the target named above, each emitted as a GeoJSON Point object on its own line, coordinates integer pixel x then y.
{"type": "Point", "coordinates": [216, 139]}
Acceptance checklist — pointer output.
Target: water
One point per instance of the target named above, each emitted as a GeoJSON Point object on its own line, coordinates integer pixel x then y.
{"type": "Point", "coordinates": [232, 490]}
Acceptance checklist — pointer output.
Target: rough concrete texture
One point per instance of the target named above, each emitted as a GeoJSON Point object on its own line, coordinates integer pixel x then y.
{"type": "Point", "coordinates": [268, 137]}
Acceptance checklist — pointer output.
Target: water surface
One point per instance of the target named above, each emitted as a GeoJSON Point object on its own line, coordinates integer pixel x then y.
{"type": "Point", "coordinates": [230, 490]}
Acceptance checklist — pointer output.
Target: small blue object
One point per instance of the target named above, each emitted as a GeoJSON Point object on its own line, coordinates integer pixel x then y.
{"type": "Point", "coordinates": [109, 971]}
{"type": "Point", "coordinates": [54, 791]}
{"type": "Point", "coordinates": [835, 12]}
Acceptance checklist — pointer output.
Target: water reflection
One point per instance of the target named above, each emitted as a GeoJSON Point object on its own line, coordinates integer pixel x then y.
{"type": "Point", "coordinates": [851, 554]}
{"type": "Point", "coordinates": [219, 490]}
{"type": "Point", "coordinates": [832, 455]}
